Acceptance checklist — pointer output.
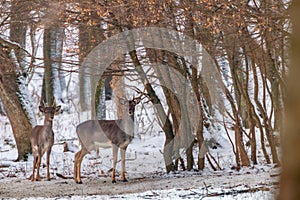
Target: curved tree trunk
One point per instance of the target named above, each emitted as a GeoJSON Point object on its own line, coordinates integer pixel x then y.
{"type": "Point", "coordinates": [12, 75]}
{"type": "Point", "coordinates": [12, 102]}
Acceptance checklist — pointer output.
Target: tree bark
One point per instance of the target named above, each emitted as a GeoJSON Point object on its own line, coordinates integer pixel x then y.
{"type": "Point", "coordinates": [48, 90]}
{"type": "Point", "coordinates": [90, 35]}
{"type": "Point", "coordinates": [199, 132]}
{"type": "Point", "coordinates": [290, 178]}
{"type": "Point", "coordinates": [53, 80]}
{"type": "Point", "coordinates": [12, 74]}
{"type": "Point", "coordinates": [12, 103]}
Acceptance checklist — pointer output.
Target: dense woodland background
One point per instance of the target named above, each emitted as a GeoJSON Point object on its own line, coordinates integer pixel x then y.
{"type": "Point", "coordinates": [247, 41]}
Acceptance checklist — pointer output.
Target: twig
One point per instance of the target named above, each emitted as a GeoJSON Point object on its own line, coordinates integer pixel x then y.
{"type": "Point", "coordinates": [206, 188]}
{"type": "Point", "coordinates": [232, 192]}
{"type": "Point", "coordinates": [218, 166]}
{"type": "Point", "coordinates": [229, 137]}
{"type": "Point", "coordinates": [210, 163]}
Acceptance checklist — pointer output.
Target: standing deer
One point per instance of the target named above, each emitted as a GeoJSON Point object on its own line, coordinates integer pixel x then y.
{"type": "Point", "coordinates": [93, 134]}
{"type": "Point", "coordinates": [42, 139]}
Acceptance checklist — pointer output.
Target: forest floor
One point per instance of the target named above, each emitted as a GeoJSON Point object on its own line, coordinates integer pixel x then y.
{"type": "Point", "coordinates": [188, 184]}
{"type": "Point", "coordinates": [146, 174]}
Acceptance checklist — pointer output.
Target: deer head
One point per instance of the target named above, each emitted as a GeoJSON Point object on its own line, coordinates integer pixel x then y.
{"type": "Point", "coordinates": [130, 105]}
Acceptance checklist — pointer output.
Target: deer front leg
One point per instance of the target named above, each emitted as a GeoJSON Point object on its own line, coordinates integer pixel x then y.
{"type": "Point", "coordinates": [38, 178]}
{"type": "Point", "coordinates": [33, 168]}
{"type": "Point", "coordinates": [123, 152]}
{"type": "Point", "coordinates": [115, 157]}
{"type": "Point", "coordinates": [48, 164]}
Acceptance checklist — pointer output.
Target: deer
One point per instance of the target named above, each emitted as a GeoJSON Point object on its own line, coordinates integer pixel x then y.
{"type": "Point", "coordinates": [115, 134]}
{"type": "Point", "coordinates": [42, 140]}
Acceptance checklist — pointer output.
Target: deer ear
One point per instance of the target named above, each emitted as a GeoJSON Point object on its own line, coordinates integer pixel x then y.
{"type": "Point", "coordinates": [41, 108]}
{"type": "Point", "coordinates": [57, 109]}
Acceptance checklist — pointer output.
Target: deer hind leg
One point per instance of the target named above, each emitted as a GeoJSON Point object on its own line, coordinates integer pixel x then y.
{"type": "Point", "coordinates": [39, 158]}
{"type": "Point", "coordinates": [115, 157]}
{"type": "Point", "coordinates": [33, 167]}
{"type": "Point", "coordinates": [48, 164]}
{"type": "Point", "coordinates": [76, 174]}
{"type": "Point", "coordinates": [77, 165]}
{"type": "Point", "coordinates": [123, 151]}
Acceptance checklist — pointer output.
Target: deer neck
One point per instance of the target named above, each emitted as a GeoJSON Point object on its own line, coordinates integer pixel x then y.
{"type": "Point", "coordinates": [128, 124]}
{"type": "Point", "coordinates": [48, 124]}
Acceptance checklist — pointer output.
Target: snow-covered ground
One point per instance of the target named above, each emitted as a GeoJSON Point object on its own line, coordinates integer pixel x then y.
{"type": "Point", "coordinates": [145, 171]}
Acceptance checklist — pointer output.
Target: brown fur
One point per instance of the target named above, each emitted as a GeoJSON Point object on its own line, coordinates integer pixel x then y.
{"type": "Point", "coordinates": [42, 139]}
{"type": "Point", "coordinates": [93, 134]}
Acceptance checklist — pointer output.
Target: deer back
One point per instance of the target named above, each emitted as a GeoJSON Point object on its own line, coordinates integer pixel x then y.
{"type": "Point", "coordinates": [103, 133]}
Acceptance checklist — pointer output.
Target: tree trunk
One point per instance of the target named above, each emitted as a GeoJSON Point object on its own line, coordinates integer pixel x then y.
{"type": "Point", "coordinates": [199, 132]}
{"type": "Point", "coordinates": [53, 81]}
{"type": "Point", "coordinates": [237, 72]}
{"type": "Point", "coordinates": [48, 89]}
{"type": "Point", "coordinates": [90, 35]}
{"type": "Point", "coordinates": [12, 102]}
{"type": "Point", "coordinates": [100, 100]}
{"type": "Point", "coordinates": [250, 110]}
{"type": "Point", "coordinates": [166, 123]}
{"type": "Point", "coordinates": [290, 178]}
{"type": "Point", "coordinates": [257, 119]}
{"type": "Point", "coordinates": [117, 84]}
{"type": "Point", "coordinates": [59, 83]}
{"type": "Point", "coordinates": [241, 154]}
{"type": "Point", "coordinates": [12, 84]}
